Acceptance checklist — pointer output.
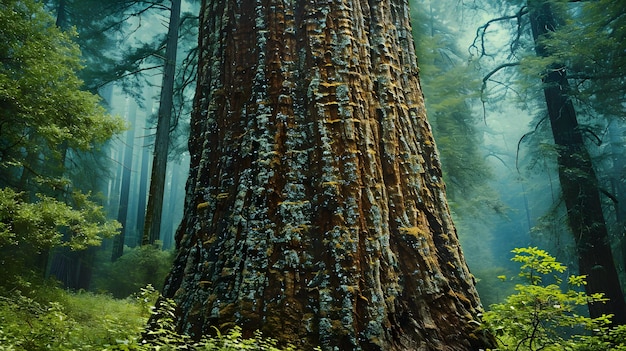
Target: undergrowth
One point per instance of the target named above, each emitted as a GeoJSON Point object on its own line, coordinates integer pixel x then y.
{"type": "Point", "coordinates": [49, 318]}
{"type": "Point", "coordinates": [546, 312]}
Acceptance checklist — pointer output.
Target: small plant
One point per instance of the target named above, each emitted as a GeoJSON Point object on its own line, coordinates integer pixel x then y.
{"type": "Point", "coordinates": [541, 316]}
{"type": "Point", "coordinates": [28, 325]}
{"type": "Point", "coordinates": [162, 335]}
{"type": "Point", "coordinates": [138, 267]}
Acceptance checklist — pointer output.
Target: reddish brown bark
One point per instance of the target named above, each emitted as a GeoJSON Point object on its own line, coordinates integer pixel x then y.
{"type": "Point", "coordinates": [315, 206]}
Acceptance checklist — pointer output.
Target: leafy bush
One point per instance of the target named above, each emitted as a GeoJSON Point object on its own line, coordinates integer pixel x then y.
{"type": "Point", "coordinates": [138, 267]}
{"type": "Point", "coordinates": [161, 335]}
{"type": "Point", "coordinates": [41, 224]}
{"type": "Point", "coordinates": [28, 325]}
{"type": "Point", "coordinates": [53, 319]}
{"type": "Point", "coordinates": [541, 316]}
{"type": "Point", "coordinates": [29, 229]}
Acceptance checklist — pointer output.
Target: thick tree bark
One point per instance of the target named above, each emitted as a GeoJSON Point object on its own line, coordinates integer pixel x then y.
{"type": "Point", "coordinates": [578, 180]}
{"type": "Point", "coordinates": [315, 208]}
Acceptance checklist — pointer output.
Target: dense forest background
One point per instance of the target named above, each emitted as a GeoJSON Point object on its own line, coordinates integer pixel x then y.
{"type": "Point", "coordinates": [80, 94]}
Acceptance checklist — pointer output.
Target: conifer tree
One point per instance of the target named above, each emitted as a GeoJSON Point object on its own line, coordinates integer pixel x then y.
{"type": "Point", "coordinates": [315, 208]}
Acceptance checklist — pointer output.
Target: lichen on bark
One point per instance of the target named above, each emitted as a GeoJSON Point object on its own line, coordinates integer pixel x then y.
{"type": "Point", "coordinates": [315, 208]}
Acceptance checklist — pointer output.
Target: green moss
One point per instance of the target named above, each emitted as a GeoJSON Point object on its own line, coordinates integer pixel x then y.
{"type": "Point", "coordinates": [414, 231]}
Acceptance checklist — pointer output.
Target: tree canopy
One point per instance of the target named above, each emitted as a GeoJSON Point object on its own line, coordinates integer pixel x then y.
{"type": "Point", "coordinates": [45, 115]}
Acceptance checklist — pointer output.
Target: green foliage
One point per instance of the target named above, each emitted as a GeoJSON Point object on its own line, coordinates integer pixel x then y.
{"type": "Point", "coordinates": [589, 43]}
{"type": "Point", "coordinates": [48, 318]}
{"type": "Point", "coordinates": [138, 267]}
{"type": "Point", "coordinates": [542, 316]}
{"type": "Point", "coordinates": [46, 119]}
{"type": "Point", "coordinates": [536, 263]}
{"type": "Point", "coordinates": [28, 229]}
{"type": "Point", "coordinates": [234, 341]}
{"type": "Point", "coordinates": [42, 105]}
{"type": "Point", "coordinates": [162, 335]}
{"type": "Point", "coordinates": [28, 325]}
{"type": "Point", "coordinates": [40, 224]}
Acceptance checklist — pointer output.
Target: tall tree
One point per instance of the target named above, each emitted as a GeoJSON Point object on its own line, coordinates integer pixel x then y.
{"type": "Point", "coordinates": [578, 179]}
{"type": "Point", "coordinates": [154, 210]}
{"type": "Point", "coordinates": [580, 186]}
{"type": "Point", "coordinates": [127, 165]}
{"type": "Point", "coordinates": [43, 114]}
{"type": "Point", "coordinates": [315, 208]}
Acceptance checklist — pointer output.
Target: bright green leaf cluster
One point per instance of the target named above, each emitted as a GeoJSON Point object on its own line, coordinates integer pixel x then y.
{"type": "Point", "coordinates": [536, 263]}
{"type": "Point", "coordinates": [28, 230]}
{"type": "Point", "coordinates": [43, 223]}
{"type": "Point", "coordinates": [43, 111]}
{"type": "Point", "coordinates": [542, 316]}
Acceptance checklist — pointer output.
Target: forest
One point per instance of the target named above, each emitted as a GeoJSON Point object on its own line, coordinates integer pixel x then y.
{"type": "Point", "coordinates": [312, 175]}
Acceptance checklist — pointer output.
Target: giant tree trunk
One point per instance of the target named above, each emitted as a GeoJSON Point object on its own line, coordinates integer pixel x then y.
{"type": "Point", "coordinates": [315, 207]}
{"type": "Point", "coordinates": [578, 180]}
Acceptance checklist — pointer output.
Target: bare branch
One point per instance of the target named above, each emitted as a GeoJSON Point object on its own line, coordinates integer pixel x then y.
{"type": "Point", "coordinates": [497, 69]}
{"type": "Point", "coordinates": [127, 74]}
{"type": "Point", "coordinates": [521, 140]}
{"type": "Point", "coordinates": [482, 31]}
{"type": "Point", "coordinates": [484, 86]}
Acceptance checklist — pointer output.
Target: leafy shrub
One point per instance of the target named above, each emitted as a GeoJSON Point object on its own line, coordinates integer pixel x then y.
{"type": "Point", "coordinates": [138, 267]}
{"type": "Point", "coordinates": [161, 335]}
{"type": "Point", "coordinates": [28, 325]}
{"type": "Point", "coordinates": [541, 316]}
{"type": "Point", "coordinates": [53, 319]}
{"type": "Point", "coordinates": [31, 228]}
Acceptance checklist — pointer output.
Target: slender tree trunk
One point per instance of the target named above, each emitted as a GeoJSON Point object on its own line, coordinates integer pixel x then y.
{"type": "Point", "coordinates": [122, 210]}
{"type": "Point", "coordinates": [315, 208]}
{"type": "Point", "coordinates": [152, 226]}
{"type": "Point", "coordinates": [578, 180]}
{"type": "Point", "coordinates": [61, 20]}
{"type": "Point", "coordinates": [168, 237]}
{"type": "Point", "coordinates": [616, 131]}
{"type": "Point", "coordinates": [143, 189]}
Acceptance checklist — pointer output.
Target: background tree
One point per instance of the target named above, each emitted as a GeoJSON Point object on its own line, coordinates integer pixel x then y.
{"type": "Point", "coordinates": [580, 187]}
{"type": "Point", "coordinates": [579, 184]}
{"type": "Point", "coordinates": [154, 210]}
{"type": "Point", "coordinates": [106, 27]}
{"type": "Point", "coordinates": [43, 114]}
{"type": "Point", "coordinates": [315, 208]}
{"type": "Point", "coordinates": [124, 46]}
{"type": "Point", "coordinates": [451, 87]}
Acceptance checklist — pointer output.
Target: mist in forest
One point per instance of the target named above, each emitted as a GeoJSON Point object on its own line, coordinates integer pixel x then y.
{"type": "Point", "coordinates": [484, 72]}
{"type": "Point", "coordinates": [518, 200]}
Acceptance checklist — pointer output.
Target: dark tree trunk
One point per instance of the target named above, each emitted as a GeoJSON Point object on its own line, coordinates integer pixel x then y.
{"type": "Point", "coordinates": [579, 183]}
{"type": "Point", "coordinates": [143, 189]}
{"type": "Point", "coordinates": [122, 211]}
{"type": "Point", "coordinates": [617, 180]}
{"type": "Point", "coordinates": [315, 208]}
{"type": "Point", "coordinates": [61, 20]}
{"type": "Point", "coordinates": [154, 210]}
